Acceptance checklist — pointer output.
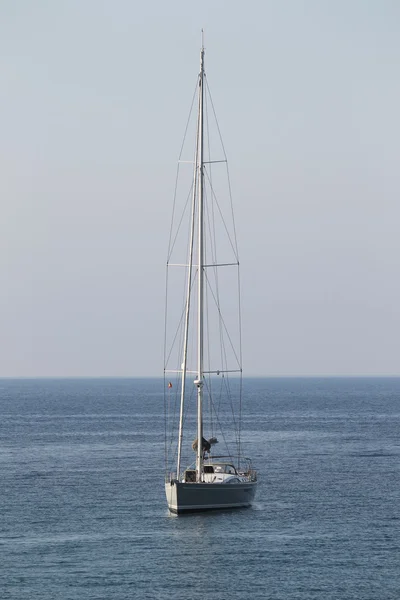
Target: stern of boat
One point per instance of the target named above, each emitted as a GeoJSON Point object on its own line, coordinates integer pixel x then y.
{"type": "Point", "coordinates": [190, 497]}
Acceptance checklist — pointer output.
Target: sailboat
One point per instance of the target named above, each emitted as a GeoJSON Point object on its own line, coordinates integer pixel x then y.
{"type": "Point", "coordinates": [203, 375]}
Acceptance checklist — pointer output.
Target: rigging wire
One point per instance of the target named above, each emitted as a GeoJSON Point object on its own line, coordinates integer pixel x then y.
{"type": "Point", "coordinates": [233, 245]}
{"type": "Point", "coordinates": [223, 322]}
{"type": "Point", "coordinates": [227, 170]}
{"type": "Point", "coordinates": [177, 169]}
{"type": "Point", "coordinates": [221, 430]}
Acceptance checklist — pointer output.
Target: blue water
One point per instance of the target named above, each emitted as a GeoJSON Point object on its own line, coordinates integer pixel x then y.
{"type": "Point", "coordinates": [83, 512]}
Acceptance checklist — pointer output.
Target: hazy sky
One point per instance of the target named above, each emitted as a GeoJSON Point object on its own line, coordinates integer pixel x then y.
{"type": "Point", "coordinates": [94, 99]}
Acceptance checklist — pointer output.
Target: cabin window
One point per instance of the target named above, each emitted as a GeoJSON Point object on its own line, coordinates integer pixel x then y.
{"type": "Point", "coordinates": [190, 476]}
{"type": "Point", "coordinates": [208, 469]}
{"type": "Point", "coordinates": [230, 470]}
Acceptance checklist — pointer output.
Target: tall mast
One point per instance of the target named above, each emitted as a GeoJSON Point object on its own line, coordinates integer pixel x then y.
{"type": "Point", "coordinates": [199, 382]}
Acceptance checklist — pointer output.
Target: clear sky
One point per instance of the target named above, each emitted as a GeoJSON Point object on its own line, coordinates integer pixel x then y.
{"type": "Point", "coordinates": [94, 99]}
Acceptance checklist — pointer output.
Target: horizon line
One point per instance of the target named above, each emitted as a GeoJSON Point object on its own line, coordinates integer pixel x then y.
{"type": "Point", "coordinates": [296, 376]}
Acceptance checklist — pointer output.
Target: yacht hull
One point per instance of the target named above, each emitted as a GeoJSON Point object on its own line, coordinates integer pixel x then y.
{"type": "Point", "coordinates": [191, 497]}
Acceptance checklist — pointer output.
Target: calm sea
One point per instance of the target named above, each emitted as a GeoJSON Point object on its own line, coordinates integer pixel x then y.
{"type": "Point", "coordinates": [83, 513]}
